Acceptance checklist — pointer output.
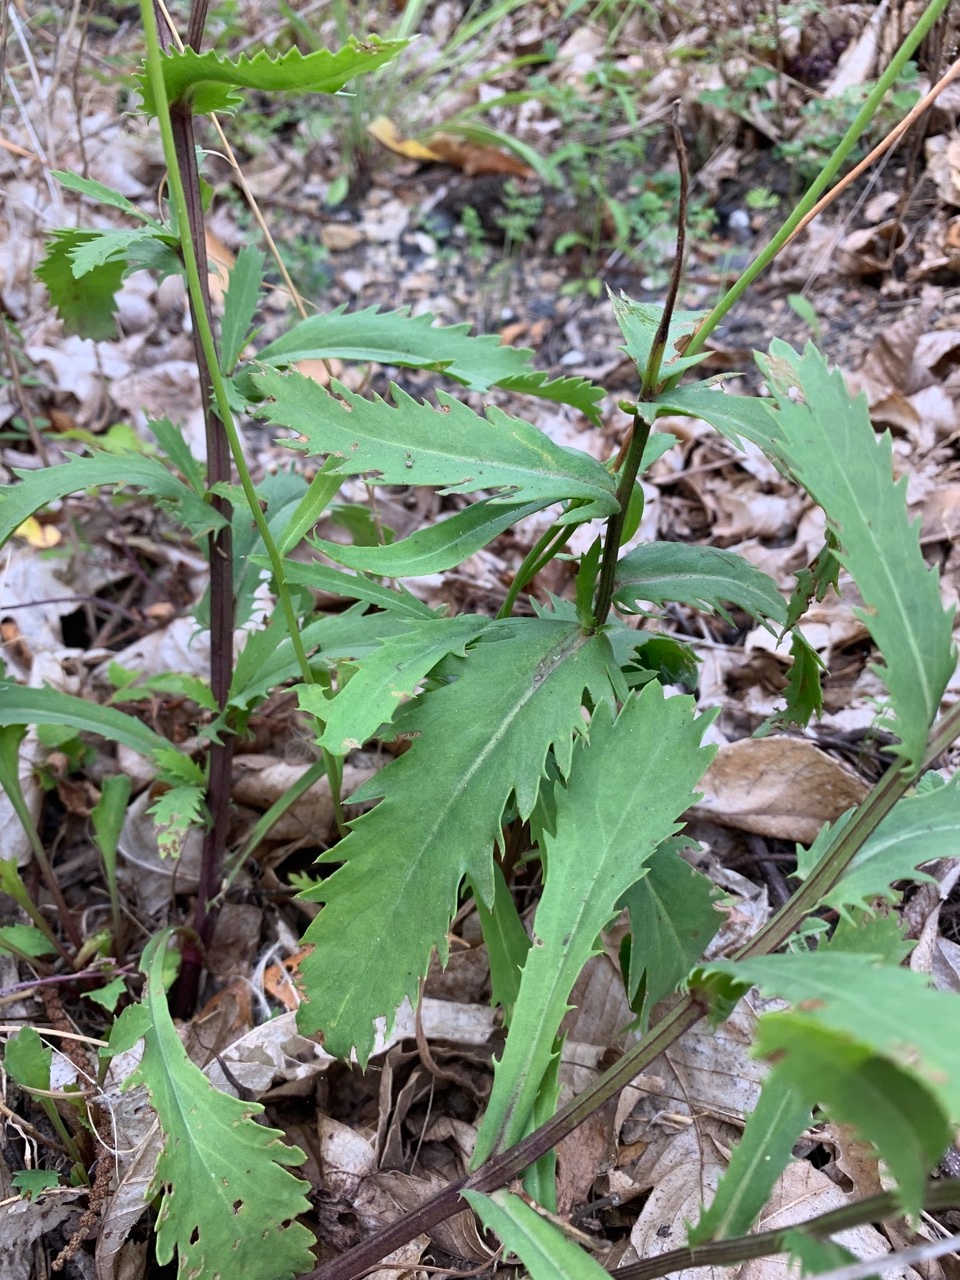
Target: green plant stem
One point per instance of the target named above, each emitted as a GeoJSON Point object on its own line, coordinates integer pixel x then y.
{"type": "Point", "coordinates": [649, 386]}
{"type": "Point", "coordinates": [64, 1133]}
{"type": "Point", "coordinates": [540, 554]}
{"type": "Point", "coordinates": [639, 435]}
{"type": "Point", "coordinates": [830, 170]}
{"type": "Point", "coordinates": [686, 1013]}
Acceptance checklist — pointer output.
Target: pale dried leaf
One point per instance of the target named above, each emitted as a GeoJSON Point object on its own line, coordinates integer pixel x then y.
{"type": "Point", "coordinates": [856, 63]}
{"type": "Point", "coordinates": [23, 1222]}
{"type": "Point", "coordinates": [685, 1175]}
{"type": "Point", "coordinates": [781, 787]}
{"type": "Point", "coordinates": [261, 780]}
{"type": "Point", "coordinates": [801, 1193]}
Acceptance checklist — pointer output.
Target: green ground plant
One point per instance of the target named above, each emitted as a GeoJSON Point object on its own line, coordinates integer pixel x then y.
{"type": "Point", "coordinates": [557, 721]}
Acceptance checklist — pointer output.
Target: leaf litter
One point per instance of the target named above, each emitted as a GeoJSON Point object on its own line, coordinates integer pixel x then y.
{"type": "Point", "coordinates": [879, 280]}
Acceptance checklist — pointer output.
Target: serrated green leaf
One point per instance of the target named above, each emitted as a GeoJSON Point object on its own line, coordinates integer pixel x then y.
{"type": "Point", "coordinates": [579, 393]}
{"type": "Point", "coordinates": [919, 829]}
{"type": "Point", "coordinates": [104, 196]}
{"type": "Point", "coordinates": [167, 682]}
{"type": "Point", "coordinates": [50, 706]}
{"type": "Point", "coordinates": [758, 1159]}
{"type": "Point", "coordinates": [507, 943]}
{"type": "Point", "coordinates": [903, 1118]}
{"type": "Point", "coordinates": [172, 441]}
{"type": "Point", "coordinates": [400, 339]}
{"type": "Point", "coordinates": [828, 443]}
{"type": "Point", "coordinates": [626, 789]}
{"type": "Point", "coordinates": [95, 249]}
{"type": "Point", "coordinates": [439, 546]}
{"type": "Point", "coordinates": [870, 933]}
{"type": "Point", "coordinates": [703, 577]}
{"type": "Point", "coordinates": [360, 522]}
{"type": "Point", "coordinates": [282, 492]}
{"type": "Point", "coordinates": [24, 939]}
{"type": "Point", "coordinates": [208, 80]}
{"type": "Point", "coordinates": [476, 740]}
{"type": "Point", "coordinates": [815, 1257]}
{"type": "Point", "coordinates": [639, 322]}
{"type": "Point", "coordinates": [324, 487]}
{"type": "Point", "coordinates": [226, 1193]}
{"type": "Point", "coordinates": [804, 693]}
{"type": "Point", "coordinates": [649, 655]}
{"type": "Point", "coordinates": [269, 659]}
{"type": "Point", "coordinates": [871, 1041]}
{"type": "Point", "coordinates": [109, 995]}
{"type": "Point", "coordinates": [27, 1059]}
{"type": "Point", "coordinates": [174, 813]}
{"type": "Point", "coordinates": [322, 577]}
{"type": "Point", "coordinates": [86, 306]}
{"type": "Point", "coordinates": [240, 304]}
{"type": "Point", "coordinates": [453, 447]}
{"type": "Point", "coordinates": [32, 1182]}
{"type": "Point", "coordinates": [396, 338]}
{"type": "Point", "coordinates": [814, 582]}
{"type": "Point", "coordinates": [542, 1247]}
{"type": "Point", "coordinates": [892, 1010]}
{"type": "Point", "coordinates": [385, 679]}
{"type": "Point", "coordinates": [672, 920]}
{"type": "Point", "coordinates": [37, 489]}
{"type": "Point", "coordinates": [737, 418]}
{"type": "Point", "coordinates": [178, 767]}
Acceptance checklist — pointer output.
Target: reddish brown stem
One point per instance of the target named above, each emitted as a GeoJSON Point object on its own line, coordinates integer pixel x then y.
{"type": "Point", "coordinates": [222, 606]}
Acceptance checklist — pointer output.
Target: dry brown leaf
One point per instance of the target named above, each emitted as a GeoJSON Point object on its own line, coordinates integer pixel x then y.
{"type": "Point", "coordinates": [346, 1156]}
{"type": "Point", "coordinates": [943, 165]}
{"type": "Point", "coordinates": [945, 968]}
{"type": "Point", "coordinates": [855, 1158]}
{"type": "Point", "coordinates": [24, 1222]}
{"type": "Point", "coordinates": [474, 159]}
{"type": "Point", "coordinates": [801, 1193]}
{"type": "Point", "coordinates": [39, 536]}
{"type": "Point", "coordinates": [339, 237]}
{"type": "Point", "coordinates": [781, 787]}
{"type": "Point", "coordinates": [278, 982]}
{"type": "Point", "coordinates": [388, 135]}
{"type": "Point", "coordinates": [856, 63]}
{"type": "Point", "coordinates": [712, 1071]}
{"type": "Point", "coordinates": [684, 1176]}
{"type": "Point", "coordinates": [444, 148]}
{"type": "Point", "coordinates": [260, 780]}
{"type": "Point", "coordinates": [457, 1235]}
{"type": "Point", "coordinates": [321, 371]}
{"type": "Point", "coordinates": [221, 263]}
{"type": "Point", "coordinates": [941, 514]}
{"type": "Point", "coordinates": [869, 250]}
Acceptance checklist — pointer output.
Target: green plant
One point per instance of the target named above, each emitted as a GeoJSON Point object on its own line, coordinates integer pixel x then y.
{"type": "Point", "coordinates": [556, 722]}
{"type": "Point", "coordinates": [825, 120]}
